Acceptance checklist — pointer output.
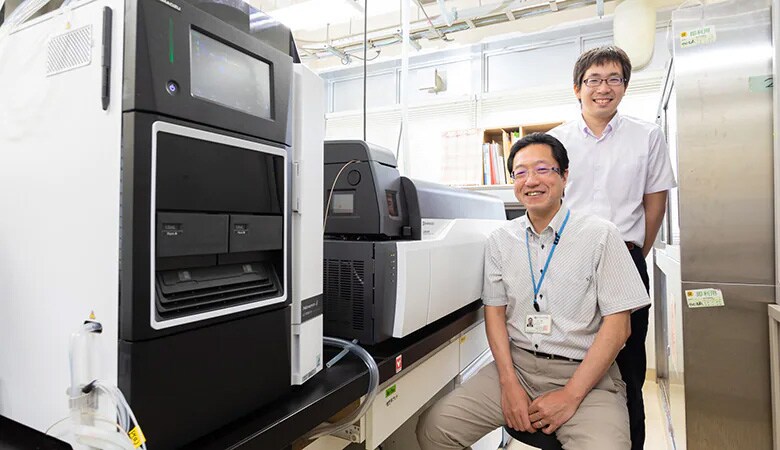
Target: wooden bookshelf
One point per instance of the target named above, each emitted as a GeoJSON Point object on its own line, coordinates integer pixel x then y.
{"type": "Point", "coordinates": [538, 128]}
{"type": "Point", "coordinates": [504, 137]}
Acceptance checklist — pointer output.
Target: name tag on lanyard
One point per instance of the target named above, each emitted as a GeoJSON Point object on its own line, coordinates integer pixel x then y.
{"type": "Point", "coordinates": [538, 323]}
{"type": "Point", "coordinates": [538, 287]}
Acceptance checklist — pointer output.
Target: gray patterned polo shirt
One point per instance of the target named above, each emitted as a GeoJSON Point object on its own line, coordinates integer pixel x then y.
{"type": "Point", "coordinates": [591, 275]}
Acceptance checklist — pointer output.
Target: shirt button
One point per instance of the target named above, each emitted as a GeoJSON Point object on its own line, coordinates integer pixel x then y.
{"type": "Point", "coordinates": [541, 296]}
{"type": "Point", "coordinates": [542, 246]}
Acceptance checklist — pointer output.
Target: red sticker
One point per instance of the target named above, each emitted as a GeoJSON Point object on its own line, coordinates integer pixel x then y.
{"type": "Point", "coordinates": [398, 363]}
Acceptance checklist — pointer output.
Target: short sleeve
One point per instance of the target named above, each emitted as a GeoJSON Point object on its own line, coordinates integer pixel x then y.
{"type": "Point", "coordinates": [493, 289]}
{"type": "Point", "coordinates": [660, 176]}
{"type": "Point", "coordinates": [619, 287]}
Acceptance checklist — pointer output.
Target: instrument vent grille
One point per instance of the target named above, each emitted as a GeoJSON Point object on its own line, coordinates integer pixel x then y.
{"type": "Point", "coordinates": [69, 50]}
{"type": "Point", "coordinates": [344, 292]}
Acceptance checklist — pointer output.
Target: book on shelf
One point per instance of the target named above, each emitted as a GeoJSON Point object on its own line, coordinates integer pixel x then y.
{"type": "Point", "coordinates": [493, 164]}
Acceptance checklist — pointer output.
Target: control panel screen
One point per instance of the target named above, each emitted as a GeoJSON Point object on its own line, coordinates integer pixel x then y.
{"type": "Point", "coordinates": [343, 203]}
{"type": "Point", "coordinates": [228, 77]}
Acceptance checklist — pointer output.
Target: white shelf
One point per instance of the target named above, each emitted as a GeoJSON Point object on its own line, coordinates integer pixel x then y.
{"type": "Point", "coordinates": [505, 192]}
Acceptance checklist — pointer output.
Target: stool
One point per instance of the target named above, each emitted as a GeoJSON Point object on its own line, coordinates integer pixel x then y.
{"type": "Point", "coordinates": [538, 439]}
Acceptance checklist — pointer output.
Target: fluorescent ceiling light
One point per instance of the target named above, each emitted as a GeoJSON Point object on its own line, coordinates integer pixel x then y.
{"type": "Point", "coordinates": [316, 14]}
{"type": "Point", "coordinates": [312, 14]}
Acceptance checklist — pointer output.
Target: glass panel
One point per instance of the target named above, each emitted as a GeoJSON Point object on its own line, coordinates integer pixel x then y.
{"type": "Point", "coordinates": [588, 44]}
{"type": "Point", "coordinates": [348, 94]}
{"type": "Point", "coordinates": [454, 79]}
{"type": "Point", "coordinates": [660, 49]}
{"type": "Point", "coordinates": [528, 68]}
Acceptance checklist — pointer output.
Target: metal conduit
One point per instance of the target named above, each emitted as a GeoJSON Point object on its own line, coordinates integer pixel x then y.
{"type": "Point", "coordinates": [390, 36]}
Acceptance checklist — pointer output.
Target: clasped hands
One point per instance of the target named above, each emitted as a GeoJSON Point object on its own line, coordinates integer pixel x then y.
{"type": "Point", "coordinates": [546, 413]}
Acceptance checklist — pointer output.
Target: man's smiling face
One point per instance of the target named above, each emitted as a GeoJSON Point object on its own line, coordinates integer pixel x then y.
{"type": "Point", "coordinates": [601, 102]}
{"type": "Point", "coordinates": [540, 194]}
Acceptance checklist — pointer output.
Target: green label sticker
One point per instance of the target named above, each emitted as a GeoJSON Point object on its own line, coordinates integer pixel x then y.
{"type": "Point", "coordinates": [390, 391]}
{"type": "Point", "coordinates": [697, 36]}
{"type": "Point", "coordinates": [704, 298]}
{"type": "Point", "coordinates": [761, 83]}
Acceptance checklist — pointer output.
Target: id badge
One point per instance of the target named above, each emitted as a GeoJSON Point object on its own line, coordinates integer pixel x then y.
{"type": "Point", "coordinates": [538, 323]}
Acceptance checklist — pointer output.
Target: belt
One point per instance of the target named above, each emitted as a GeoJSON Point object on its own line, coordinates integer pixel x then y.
{"type": "Point", "coordinates": [632, 246]}
{"type": "Point", "coordinates": [549, 356]}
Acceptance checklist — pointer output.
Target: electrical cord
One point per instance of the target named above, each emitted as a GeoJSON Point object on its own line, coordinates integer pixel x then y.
{"type": "Point", "coordinates": [377, 50]}
{"type": "Point", "coordinates": [330, 195]}
{"type": "Point", "coordinates": [125, 413]}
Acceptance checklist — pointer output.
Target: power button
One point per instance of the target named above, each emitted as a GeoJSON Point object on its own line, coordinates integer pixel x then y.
{"type": "Point", "coordinates": [172, 87]}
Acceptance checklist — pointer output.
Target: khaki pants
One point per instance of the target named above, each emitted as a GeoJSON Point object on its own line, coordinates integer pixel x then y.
{"type": "Point", "coordinates": [474, 409]}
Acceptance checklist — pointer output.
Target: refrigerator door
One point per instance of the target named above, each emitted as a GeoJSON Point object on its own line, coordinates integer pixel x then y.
{"type": "Point", "coordinates": [724, 111]}
{"type": "Point", "coordinates": [722, 78]}
{"type": "Point", "coordinates": [726, 348]}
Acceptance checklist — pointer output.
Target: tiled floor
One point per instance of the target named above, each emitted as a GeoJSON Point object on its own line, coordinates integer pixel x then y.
{"type": "Point", "coordinates": [656, 439]}
{"type": "Point", "coordinates": [654, 418]}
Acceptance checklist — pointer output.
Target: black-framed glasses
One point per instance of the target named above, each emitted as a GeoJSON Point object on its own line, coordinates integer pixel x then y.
{"type": "Point", "coordinates": [522, 174]}
{"type": "Point", "coordinates": [596, 82]}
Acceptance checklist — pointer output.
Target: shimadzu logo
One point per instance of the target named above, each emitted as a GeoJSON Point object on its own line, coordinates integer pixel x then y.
{"type": "Point", "coordinates": [171, 4]}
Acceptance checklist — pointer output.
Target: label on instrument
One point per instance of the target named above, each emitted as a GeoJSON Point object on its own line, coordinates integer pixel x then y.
{"type": "Point", "coordinates": [697, 36]}
{"type": "Point", "coordinates": [704, 298]}
{"type": "Point", "coordinates": [137, 437]}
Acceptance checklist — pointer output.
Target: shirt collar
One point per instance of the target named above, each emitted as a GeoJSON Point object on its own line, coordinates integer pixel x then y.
{"type": "Point", "coordinates": [555, 223]}
{"type": "Point", "coordinates": [611, 126]}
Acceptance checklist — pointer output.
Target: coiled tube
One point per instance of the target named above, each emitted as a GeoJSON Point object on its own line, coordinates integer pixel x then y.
{"type": "Point", "coordinates": [373, 386]}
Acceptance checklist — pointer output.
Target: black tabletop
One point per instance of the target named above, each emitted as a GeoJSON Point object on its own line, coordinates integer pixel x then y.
{"type": "Point", "coordinates": [15, 436]}
{"type": "Point", "coordinates": [278, 424]}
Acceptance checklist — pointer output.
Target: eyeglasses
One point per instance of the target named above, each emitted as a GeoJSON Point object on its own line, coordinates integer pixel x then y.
{"type": "Point", "coordinates": [596, 82]}
{"type": "Point", "coordinates": [540, 171]}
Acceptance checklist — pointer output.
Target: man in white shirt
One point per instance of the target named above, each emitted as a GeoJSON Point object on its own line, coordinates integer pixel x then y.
{"type": "Point", "coordinates": [620, 171]}
{"type": "Point", "coordinates": [558, 291]}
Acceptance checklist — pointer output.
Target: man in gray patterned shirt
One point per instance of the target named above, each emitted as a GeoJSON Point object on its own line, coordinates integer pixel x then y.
{"type": "Point", "coordinates": [558, 292]}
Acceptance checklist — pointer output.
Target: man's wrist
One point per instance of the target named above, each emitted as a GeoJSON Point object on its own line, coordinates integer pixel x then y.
{"type": "Point", "coordinates": [506, 379]}
{"type": "Point", "coordinates": [575, 393]}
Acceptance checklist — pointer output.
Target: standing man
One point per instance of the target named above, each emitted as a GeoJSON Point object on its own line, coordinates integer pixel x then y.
{"type": "Point", "coordinates": [558, 293]}
{"type": "Point", "coordinates": [620, 171]}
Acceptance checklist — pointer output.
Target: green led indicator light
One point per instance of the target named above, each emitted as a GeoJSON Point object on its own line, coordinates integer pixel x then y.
{"type": "Point", "coordinates": [390, 391]}
{"type": "Point", "coordinates": [170, 40]}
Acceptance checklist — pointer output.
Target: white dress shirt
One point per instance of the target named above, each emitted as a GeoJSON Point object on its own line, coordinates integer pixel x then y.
{"type": "Point", "coordinates": [590, 276]}
{"type": "Point", "coordinates": [608, 176]}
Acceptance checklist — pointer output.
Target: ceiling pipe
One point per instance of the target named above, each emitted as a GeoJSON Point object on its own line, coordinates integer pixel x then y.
{"type": "Point", "coordinates": [447, 15]}
{"type": "Point", "coordinates": [429, 29]}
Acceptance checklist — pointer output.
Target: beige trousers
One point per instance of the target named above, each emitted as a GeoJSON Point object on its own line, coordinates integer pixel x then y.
{"type": "Point", "coordinates": [474, 409]}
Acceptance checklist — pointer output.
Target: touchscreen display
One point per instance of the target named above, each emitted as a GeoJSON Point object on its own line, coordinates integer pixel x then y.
{"type": "Point", "coordinates": [228, 77]}
{"type": "Point", "coordinates": [343, 203]}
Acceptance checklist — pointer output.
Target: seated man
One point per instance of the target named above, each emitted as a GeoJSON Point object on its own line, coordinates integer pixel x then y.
{"type": "Point", "coordinates": [558, 293]}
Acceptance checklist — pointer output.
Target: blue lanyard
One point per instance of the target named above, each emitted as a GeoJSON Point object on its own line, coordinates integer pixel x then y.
{"type": "Point", "coordinates": [538, 287]}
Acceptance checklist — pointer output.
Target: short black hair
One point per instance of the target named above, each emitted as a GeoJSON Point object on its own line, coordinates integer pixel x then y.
{"type": "Point", "coordinates": [600, 56]}
{"type": "Point", "coordinates": [558, 150]}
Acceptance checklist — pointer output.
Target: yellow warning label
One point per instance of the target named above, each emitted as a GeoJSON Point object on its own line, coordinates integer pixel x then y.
{"type": "Point", "coordinates": [137, 437]}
